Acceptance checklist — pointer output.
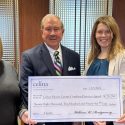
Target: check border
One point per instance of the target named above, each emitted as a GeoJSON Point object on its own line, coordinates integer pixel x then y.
{"type": "Point", "coordinates": [74, 78]}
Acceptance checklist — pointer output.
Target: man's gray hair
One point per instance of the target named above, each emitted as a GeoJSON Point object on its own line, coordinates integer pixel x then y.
{"type": "Point", "coordinates": [49, 16]}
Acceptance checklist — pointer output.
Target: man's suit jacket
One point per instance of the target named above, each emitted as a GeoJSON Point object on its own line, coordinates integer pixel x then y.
{"type": "Point", "coordinates": [37, 62]}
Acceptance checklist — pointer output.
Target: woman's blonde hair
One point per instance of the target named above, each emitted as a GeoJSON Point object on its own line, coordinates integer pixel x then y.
{"type": "Point", "coordinates": [1, 49]}
{"type": "Point", "coordinates": [116, 45]}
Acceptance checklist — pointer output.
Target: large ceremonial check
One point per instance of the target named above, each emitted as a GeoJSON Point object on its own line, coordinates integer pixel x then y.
{"type": "Point", "coordinates": [74, 98]}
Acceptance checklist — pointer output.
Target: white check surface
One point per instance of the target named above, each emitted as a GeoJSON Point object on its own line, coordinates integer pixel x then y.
{"type": "Point", "coordinates": [74, 98]}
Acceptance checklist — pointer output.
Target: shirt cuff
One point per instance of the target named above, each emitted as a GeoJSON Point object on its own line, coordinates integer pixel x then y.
{"type": "Point", "coordinates": [22, 112]}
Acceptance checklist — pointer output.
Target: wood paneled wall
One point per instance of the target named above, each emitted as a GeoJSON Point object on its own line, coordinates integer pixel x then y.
{"type": "Point", "coordinates": [30, 15]}
{"type": "Point", "coordinates": [119, 15]}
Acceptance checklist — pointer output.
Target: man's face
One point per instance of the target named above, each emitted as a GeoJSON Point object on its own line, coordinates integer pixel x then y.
{"type": "Point", "coordinates": [52, 32]}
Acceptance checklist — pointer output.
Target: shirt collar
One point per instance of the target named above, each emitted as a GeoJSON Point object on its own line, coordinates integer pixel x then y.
{"type": "Point", "coordinates": [51, 50]}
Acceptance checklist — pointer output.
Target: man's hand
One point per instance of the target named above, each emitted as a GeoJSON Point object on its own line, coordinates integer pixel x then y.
{"type": "Point", "coordinates": [100, 123]}
{"type": "Point", "coordinates": [27, 120]}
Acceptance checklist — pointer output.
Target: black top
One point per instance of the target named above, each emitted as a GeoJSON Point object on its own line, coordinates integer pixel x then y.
{"type": "Point", "coordinates": [9, 94]}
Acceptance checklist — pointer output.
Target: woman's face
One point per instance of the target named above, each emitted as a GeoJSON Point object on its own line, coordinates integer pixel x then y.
{"type": "Point", "coordinates": [103, 36]}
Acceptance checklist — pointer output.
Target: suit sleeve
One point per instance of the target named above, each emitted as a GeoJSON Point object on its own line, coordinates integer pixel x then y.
{"type": "Point", "coordinates": [25, 71]}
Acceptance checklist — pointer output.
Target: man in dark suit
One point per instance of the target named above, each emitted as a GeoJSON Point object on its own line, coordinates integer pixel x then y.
{"type": "Point", "coordinates": [39, 61]}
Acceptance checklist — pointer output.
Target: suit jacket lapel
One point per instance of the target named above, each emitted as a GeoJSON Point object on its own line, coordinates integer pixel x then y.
{"type": "Point", "coordinates": [65, 61]}
{"type": "Point", "coordinates": [47, 59]}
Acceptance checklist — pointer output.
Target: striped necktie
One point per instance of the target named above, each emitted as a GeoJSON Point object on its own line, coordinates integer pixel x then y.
{"type": "Point", "coordinates": [57, 64]}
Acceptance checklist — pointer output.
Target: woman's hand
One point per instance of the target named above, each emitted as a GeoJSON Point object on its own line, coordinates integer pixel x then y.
{"type": "Point", "coordinates": [121, 119]}
{"type": "Point", "coordinates": [27, 120]}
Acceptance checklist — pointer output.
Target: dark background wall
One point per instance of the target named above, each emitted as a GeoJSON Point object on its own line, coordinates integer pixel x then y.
{"type": "Point", "coordinates": [119, 14]}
